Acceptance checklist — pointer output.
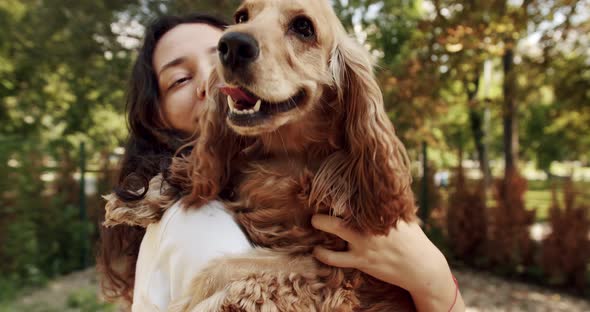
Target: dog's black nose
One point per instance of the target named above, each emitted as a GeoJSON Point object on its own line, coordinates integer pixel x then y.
{"type": "Point", "coordinates": [237, 49]}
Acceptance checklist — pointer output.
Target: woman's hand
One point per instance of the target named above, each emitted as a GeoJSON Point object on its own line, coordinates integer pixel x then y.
{"type": "Point", "coordinates": [405, 257]}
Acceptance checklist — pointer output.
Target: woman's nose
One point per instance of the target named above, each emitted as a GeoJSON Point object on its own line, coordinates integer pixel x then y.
{"type": "Point", "coordinates": [202, 91]}
{"type": "Point", "coordinates": [204, 71]}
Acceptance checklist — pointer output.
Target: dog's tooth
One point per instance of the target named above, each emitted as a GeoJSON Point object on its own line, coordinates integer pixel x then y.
{"type": "Point", "coordinates": [257, 106]}
{"type": "Point", "coordinates": [251, 111]}
{"type": "Point", "coordinates": [231, 103]}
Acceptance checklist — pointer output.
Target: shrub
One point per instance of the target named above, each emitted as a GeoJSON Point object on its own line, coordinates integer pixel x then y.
{"type": "Point", "coordinates": [510, 247]}
{"type": "Point", "coordinates": [566, 250]}
{"type": "Point", "coordinates": [467, 221]}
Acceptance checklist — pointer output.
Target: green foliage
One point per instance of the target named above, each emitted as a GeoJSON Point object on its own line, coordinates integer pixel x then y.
{"type": "Point", "coordinates": [538, 136]}
{"type": "Point", "coordinates": [54, 75]}
{"type": "Point", "coordinates": [41, 234]}
{"type": "Point", "coordinates": [432, 56]}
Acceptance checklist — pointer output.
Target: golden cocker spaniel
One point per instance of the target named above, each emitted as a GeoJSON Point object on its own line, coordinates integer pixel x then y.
{"type": "Point", "coordinates": [302, 130]}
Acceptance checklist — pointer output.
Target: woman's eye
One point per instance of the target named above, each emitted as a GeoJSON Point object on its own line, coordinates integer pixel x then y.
{"type": "Point", "coordinates": [241, 17]}
{"type": "Point", "coordinates": [179, 82]}
{"type": "Point", "coordinates": [303, 27]}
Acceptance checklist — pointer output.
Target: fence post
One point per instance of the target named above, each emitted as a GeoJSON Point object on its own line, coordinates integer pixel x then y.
{"type": "Point", "coordinates": [424, 193]}
{"type": "Point", "coordinates": [83, 217]}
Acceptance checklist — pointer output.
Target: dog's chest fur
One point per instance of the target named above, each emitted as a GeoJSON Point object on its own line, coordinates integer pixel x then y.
{"type": "Point", "coordinates": [271, 199]}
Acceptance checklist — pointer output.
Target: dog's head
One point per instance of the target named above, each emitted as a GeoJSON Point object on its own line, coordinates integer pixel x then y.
{"type": "Point", "coordinates": [284, 61]}
{"type": "Point", "coordinates": [275, 62]}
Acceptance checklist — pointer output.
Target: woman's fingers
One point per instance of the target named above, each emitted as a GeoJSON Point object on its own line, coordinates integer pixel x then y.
{"type": "Point", "coordinates": [336, 226]}
{"type": "Point", "coordinates": [339, 259]}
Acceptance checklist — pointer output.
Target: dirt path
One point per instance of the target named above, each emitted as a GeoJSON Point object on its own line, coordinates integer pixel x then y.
{"type": "Point", "coordinates": [485, 292]}
{"type": "Point", "coordinates": [481, 291]}
{"type": "Point", "coordinates": [74, 292]}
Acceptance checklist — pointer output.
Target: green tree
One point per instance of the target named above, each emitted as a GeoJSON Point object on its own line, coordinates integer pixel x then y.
{"type": "Point", "coordinates": [62, 74]}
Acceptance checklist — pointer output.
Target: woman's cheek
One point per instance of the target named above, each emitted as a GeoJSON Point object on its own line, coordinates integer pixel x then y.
{"type": "Point", "coordinates": [183, 100]}
{"type": "Point", "coordinates": [188, 108]}
{"type": "Point", "coordinates": [174, 110]}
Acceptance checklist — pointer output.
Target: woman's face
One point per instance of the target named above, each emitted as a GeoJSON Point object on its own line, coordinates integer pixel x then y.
{"type": "Point", "coordinates": [183, 59]}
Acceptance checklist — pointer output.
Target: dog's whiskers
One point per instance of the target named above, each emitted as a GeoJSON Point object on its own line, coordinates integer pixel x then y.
{"type": "Point", "coordinates": [295, 104]}
{"type": "Point", "coordinates": [326, 105]}
{"type": "Point", "coordinates": [283, 142]}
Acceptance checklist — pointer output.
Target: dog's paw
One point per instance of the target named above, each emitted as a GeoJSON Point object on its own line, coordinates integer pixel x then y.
{"type": "Point", "coordinates": [139, 213]}
{"type": "Point", "coordinates": [142, 212]}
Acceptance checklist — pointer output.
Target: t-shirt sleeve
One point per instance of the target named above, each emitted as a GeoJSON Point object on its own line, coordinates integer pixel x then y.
{"type": "Point", "coordinates": [192, 238]}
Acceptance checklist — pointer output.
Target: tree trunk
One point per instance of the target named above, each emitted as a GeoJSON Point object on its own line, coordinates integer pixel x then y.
{"type": "Point", "coordinates": [510, 117]}
{"type": "Point", "coordinates": [476, 122]}
{"type": "Point", "coordinates": [460, 173]}
{"type": "Point", "coordinates": [424, 205]}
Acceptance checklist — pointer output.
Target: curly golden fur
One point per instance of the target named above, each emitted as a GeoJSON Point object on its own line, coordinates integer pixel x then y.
{"type": "Point", "coordinates": [335, 152]}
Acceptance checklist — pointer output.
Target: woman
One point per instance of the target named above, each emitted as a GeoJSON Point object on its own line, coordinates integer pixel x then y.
{"type": "Point", "coordinates": [167, 92]}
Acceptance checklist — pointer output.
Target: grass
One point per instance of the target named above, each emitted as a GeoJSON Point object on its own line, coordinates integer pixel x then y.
{"type": "Point", "coordinates": [540, 201]}
{"type": "Point", "coordinates": [539, 198]}
{"type": "Point", "coordinates": [86, 300]}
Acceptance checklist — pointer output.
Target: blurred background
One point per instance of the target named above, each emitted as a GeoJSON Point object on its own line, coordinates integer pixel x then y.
{"type": "Point", "coordinates": [491, 98]}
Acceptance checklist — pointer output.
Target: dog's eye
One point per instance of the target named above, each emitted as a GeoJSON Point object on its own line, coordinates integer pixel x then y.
{"type": "Point", "coordinates": [303, 27]}
{"type": "Point", "coordinates": [241, 17]}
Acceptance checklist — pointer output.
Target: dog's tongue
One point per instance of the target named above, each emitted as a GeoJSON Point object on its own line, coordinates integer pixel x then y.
{"type": "Point", "coordinates": [238, 95]}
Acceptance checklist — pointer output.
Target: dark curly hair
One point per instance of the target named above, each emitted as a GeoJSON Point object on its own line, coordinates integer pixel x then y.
{"type": "Point", "coordinates": [149, 151]}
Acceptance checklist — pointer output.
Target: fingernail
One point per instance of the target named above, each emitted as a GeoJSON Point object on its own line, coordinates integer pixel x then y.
{"type": "Point", "coordinates": [316, 251]}
{"type": "Point", "coordinates": [313, 220]}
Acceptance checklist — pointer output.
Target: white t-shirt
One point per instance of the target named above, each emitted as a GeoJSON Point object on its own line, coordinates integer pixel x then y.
{"type": "Point", "coordinates": [175, 249]}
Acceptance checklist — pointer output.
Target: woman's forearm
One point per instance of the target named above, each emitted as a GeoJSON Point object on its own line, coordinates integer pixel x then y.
{"type": "Point", "coordinates": [439, 293]}
{"type": "Point", "coordinates": [405, 257]}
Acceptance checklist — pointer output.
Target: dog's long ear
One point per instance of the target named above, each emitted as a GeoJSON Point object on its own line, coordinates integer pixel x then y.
{"type": "Point", "coordinates": [206, 171]}
{"type": "Point", "coordinates": [376, 163]}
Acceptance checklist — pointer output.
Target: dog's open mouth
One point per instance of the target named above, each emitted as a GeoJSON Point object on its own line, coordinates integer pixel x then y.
{"type": "Point", "coordinates": [247, 109]}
